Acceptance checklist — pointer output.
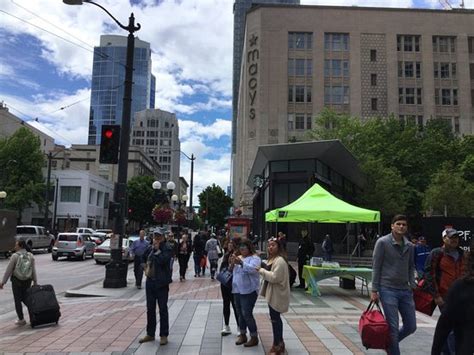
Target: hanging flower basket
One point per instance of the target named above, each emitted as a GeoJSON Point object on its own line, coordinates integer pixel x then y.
{"type": "Point", "coordinates": [162, 215]}
{"type": "Point", "coordinates": [179, 217]}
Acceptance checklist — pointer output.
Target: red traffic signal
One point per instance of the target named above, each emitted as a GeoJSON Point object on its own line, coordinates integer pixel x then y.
{"type": "Point", "coordinates": [109, 144]}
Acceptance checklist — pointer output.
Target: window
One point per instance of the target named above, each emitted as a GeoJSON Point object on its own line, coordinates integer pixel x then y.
{"type": "Point", "coordinates": [445, 96]}
{"type": "Point", "coordinates": [100, 196]}
{"type": "Point", "coordinates": [418, 96]}
{"type": "Point", "coordinates": [336, 42]}
{"type": "Point", "coordinates": [309, 122]}
{"type": "Point", "coordinates": [470, 45]}
{"type": "Point", "coordinates": [290, 94]}
{"type": "Point", "coordinates": [408, 69]}
{"type": "Point", "coordinates": [70, 194]}
{"type": "Point", "coordinates": [409, 96]}
{"type": "Point", "coordinates": [373, 103]}
{"type": "Point", "coordinates": [299, 93]}
{"type": "Point", "coordinates": [373, 79]}
{"type": "Point", "coordinates": [444, 44]}
{"type": "Point", "coordinates": [455, 97]}
{"type": "Point", "coordinates": [408, 43]}
{"type": "Point", "coordinates": [456, 124]}
{"type": "Point", "coordinates": [444, 70]}
{"type": "Point", "coordinates": [291, 123]}
{"type": "Point", "coordinates": [300, 40]}
{"type": "Point", "coordinates": [300, 67]}
{"type": "Point", "coordinates": [299, 121]}
{"type": "Point", "coordinates": [92, 195]}
{"type": "Point", "coordinates": [418, 70]}
{"type": "Point", "coordinates": [406, 96]}
{"type": "Point", "coordinates": [336, 68]}
{"type": "Point", "coordinates": [308, 93]}
{"type": "Point", "coordinates": [373, 55]}
{"type": "Point", "coordinates": [336, 95]}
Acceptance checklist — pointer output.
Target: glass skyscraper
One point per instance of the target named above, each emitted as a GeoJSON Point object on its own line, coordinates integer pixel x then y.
{"type": "Point", "coordinates": [240, 12]}
{"type": "Point", "coordinates": [108, 75]}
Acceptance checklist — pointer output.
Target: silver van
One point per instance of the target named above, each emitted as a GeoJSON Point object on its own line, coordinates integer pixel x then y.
{"type": "Point", "coordinates": [75, 245]}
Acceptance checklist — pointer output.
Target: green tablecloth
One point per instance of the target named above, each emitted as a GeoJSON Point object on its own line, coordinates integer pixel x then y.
{"type": "Point", "coordinates": [313, 274]}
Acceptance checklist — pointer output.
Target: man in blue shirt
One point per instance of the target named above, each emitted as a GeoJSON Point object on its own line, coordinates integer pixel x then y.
{"type": "Point", "coordinates": [421, 254]}
{"type": "Point", "coordinates": [138, 249]}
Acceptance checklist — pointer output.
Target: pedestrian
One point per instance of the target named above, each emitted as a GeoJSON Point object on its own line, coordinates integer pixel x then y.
{"type": "Point", "coordinates": [458, 312]}
{"type": "Point", "coordinates": [198, 253]}
{"type": "Point", "coordinates": [212, 250]}
{"type": "Point", "coordinates": [21, 271]}
{"type": "Point", "coordinates": [327, 247]}
{"type": "Point", "coordinates": [422, 250]}
{"type": "Point", "coordinates": [138, 249]}
{"type": "Point", "coordinates": [282, 238]}
{"type": "Point", "coordinates": [245, 285]}
{"type": "Point", "coordinates": [305, 252]}
{"type": "Point", "coordinates": [393, 280]}
{"type": "Point", "coordinates": [443, 266]}
{"type": "Point", "coordinates": [184, 253]}
{"type": "Point", "coordinates": [174, 247]}
{"type": "Point", "coordinates": [227, 296]}
{"type": "Point", "coordinates": [276, 290]}
{"type": "Point", "coordinates": [158, 278]}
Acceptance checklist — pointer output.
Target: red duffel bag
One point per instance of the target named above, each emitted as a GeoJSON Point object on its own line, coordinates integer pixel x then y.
{"type": "Point", "coordinates": [424, 301]}
{"type": "Point", "coordinates": [373, 328]}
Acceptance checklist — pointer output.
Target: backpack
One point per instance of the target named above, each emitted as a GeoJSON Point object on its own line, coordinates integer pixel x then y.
{"type": "Point", "coordinates": [24, 266]}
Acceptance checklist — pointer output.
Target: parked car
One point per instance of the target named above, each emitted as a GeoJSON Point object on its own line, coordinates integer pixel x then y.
{"type": "Point", "coordinates": [98, 238]}
{"type": "Point", "coordinates": [102, 252]}
{"type": "Point", "coordinates": [77, 245]}
{"type": "Point", "coordinates": [36, 237]}
{"type": "Point", "coordinates": [105, 231]}
{"type": "Point", "coordinates": [85, 230]}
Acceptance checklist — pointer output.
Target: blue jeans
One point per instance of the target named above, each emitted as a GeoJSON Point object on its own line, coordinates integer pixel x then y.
{"type": "Point", "coordinates": [156, 294]}
{"type": "Point", "coordinates": [197, 264]}
{"type": "Point", "coordinates": [394, 301]}
{"type": "Point", "coordinates": [244, 305]}
{"type": "Point", "coordinates": [277, 326]}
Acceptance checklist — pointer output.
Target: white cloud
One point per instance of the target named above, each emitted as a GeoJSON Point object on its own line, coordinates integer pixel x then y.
{"type": "Point", "coordinates": [216, 130]}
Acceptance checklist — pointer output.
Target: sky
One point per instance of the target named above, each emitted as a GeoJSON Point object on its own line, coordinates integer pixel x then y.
{"type": "Point", "coordinates": [46, 66]}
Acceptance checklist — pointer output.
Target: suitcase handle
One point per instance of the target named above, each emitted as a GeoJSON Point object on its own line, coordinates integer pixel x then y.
{"type": "Point", "coordinates": [371, 306]}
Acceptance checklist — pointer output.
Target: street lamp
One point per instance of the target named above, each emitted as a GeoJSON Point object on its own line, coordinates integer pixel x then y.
{"type": "Point", "coordinates": [116, 270]}
{"type": "Point", "coordinates": [3, 196]}
{"type": "Point", "coordinates": [170, 186]}
{"type": "Point", "coordinates": [177, 201]}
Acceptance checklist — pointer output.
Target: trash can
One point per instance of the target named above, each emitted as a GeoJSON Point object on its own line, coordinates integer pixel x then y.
{"type": "Point", "coordinates": [347, 283]}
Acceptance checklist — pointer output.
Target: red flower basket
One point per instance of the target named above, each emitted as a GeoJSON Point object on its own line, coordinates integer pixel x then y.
{"type": "Point", "coordinates": [162, 215]}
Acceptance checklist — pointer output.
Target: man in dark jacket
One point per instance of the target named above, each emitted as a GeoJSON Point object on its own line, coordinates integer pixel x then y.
{"type": "Point", "coordinates": [305, 252]}
{"type": "Point", "coordinates": [158, 273]}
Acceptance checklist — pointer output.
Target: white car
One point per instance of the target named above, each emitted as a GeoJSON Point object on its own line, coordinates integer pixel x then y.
{"type": "Point", "coordinates": [102, 252]}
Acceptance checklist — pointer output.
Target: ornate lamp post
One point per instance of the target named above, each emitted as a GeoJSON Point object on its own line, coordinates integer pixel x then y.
{"type": "Point", "coordinates": [116, 270]}
{"type": "Point", "coordinates": [3, 196]}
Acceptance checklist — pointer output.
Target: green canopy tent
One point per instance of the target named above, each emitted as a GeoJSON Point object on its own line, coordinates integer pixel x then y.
{"type": "Point", "coordinates": [318, 205]}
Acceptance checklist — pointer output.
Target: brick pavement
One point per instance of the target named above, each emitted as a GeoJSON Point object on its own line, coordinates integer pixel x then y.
{"type": "Point", "coordinates": [113, 324]}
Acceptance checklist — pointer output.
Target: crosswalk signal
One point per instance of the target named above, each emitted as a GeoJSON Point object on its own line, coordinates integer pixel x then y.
{"type": "Point", "coordinates": [109, 144]}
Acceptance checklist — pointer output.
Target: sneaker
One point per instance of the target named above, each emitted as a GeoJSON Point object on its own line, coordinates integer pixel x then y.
{"type": "Point", "coordinates": [226, 331]}
{"type": "Point", "coordinates": [146, 338]}
{"type": "Point", "coordinates": [20, 322]}
{"type": "Point", "coordinates": [163, 340]}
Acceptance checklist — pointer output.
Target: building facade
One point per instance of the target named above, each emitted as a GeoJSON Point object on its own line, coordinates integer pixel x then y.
{"type": "Point", "coordinates": [108, 75]}
{"type": "Point", "coordinates": [157, 133]}
{"type": "Point", "coordinates": [9, 124]}
{"type": "Point", "coordinates": [366, 62]}
{"type": "Point", "coordinates": [240, 12]}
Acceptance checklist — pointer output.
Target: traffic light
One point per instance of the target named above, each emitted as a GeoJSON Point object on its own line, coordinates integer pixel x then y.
{"type": "Point", "coordinates": [114, 209]}
{"type": "Point", "coordinates": [109, 144]}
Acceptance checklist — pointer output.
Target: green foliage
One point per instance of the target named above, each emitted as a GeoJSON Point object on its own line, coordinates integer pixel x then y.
{"type": "Point", "coordinates": [21, 176]}
{"type": "Point", "coordinates": [449, 193]}
{"type": "Point", "coordinates": [397, 158]}
{"type": "Point", "coordinates": [141, 199]}
{"type": "Point", "coordinates": [216, 203]}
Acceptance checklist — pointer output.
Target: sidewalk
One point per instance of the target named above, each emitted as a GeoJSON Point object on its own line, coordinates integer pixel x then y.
{"type": "Point", "coordinates": [113, 320]}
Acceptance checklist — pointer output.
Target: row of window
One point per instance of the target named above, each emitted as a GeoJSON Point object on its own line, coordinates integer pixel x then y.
{"type": "Point", "coordinates": [155, 123]}
{"type": "Point", "coordinates": [336, 95]}
{"type": "Point", "coordinates": [299, 93]}
{"type": "Point", "coordinates": [152, 134]}
{"type": "Point", "coordinates": [446, 97]}
{"type": "Point", "coordinates": [337, 42]}
{"type": "Point", "coordinates": [299, 121]}
{"type": "Point", "coordinates": [73, 194]}
{"type": "Point", "coordinates": [300, 67]}
{"type": "Point", "coordinates": [336, 68]}
{"type": "Point", "coordinates": [409, 96]}
{"type": "Point", "coordinates": [162, 142]}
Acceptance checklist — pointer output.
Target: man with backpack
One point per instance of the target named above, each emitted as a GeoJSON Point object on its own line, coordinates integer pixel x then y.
{"type": "Point", "coordinates": [443, 266]}
{"type": "Point", "coordinates": [393, 280]}
{"type": "Point", "coordinates": [22, 272]}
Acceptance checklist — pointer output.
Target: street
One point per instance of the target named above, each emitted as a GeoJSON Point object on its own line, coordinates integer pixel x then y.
{"type": "Point", "coordinates": [114, 322]}
{"type": "Point", "coordinates": [62, 274]}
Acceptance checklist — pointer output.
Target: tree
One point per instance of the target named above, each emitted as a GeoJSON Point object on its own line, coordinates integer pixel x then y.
{"type": "Point", "coordinates": [449, 193]}
{"type": "Point", "coordinates": [21, 176]}
{"type": "Point", "coordinates": [214, 205]}
{"type": "Point", "coordinates": [141, 199]}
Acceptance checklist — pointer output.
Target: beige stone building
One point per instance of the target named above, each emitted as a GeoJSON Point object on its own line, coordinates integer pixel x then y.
{"type": "Point", "coordinates": [415, 64]}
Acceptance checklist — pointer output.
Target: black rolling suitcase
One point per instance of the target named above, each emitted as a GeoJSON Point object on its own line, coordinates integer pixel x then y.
{"type": "Point", "coordinates": [42, 304]}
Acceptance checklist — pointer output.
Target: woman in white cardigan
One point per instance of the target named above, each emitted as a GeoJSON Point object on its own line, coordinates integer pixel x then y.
{"type": "Point", "coordinates": [276, 290]}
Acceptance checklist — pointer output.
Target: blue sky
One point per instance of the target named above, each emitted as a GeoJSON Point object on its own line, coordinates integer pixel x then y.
{"type": "Point", "coordinates": [192, 59]}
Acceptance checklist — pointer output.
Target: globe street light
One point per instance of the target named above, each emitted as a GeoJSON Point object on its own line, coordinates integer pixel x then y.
{"type": "Point", "coordinates": [177, 201]}
{"type": "Point", "coordinates": [3, 196]}
{"type": "Point", "coordinates": [116, 270]}
{"type": "Point", "coordinates": [170, 186]}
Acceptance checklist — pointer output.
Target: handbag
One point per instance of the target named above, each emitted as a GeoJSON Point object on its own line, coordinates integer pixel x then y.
{"type": "Point", "coordinates": [424, 301]}
{"type": "Point", "coordinates": [203, 261]}
{"type": "Point", "coordinates": [225, 277]}
{"type": "Point", "coordinates": [373, 328]}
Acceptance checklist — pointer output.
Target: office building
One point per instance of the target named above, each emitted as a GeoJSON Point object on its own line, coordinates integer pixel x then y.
{"type": "Point", "coordinates": [108, 75]}
{"type": "Point", "coordinates": [367, 62]}
{"type": "Point", "coordinates": [240, 11]}
{"type": "Point", "coordinates": [157, 133]}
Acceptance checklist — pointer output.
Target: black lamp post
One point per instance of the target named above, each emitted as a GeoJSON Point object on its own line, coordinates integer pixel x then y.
{"type": "Point", "coordinates": [116, 270]}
